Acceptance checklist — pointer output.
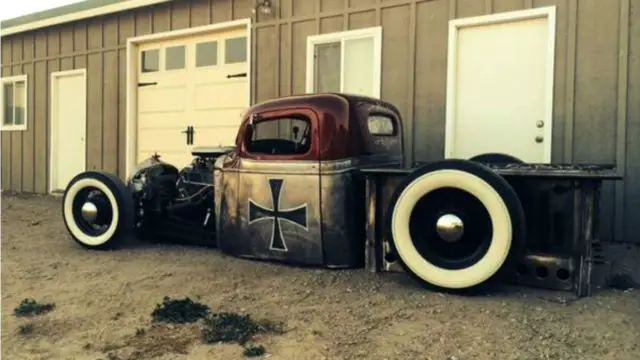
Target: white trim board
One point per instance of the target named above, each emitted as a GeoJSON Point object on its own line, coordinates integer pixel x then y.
{"type": "Point", "coordinates": [131, 130]}
{"type": "Point", "coordinates": [342, 36]}
{"type": "Point", "coordinates": [79, 15]}
{"type": "Point", "coordinates": [53, 121]}
{"type": "Point", "coordinates": [548, 12]}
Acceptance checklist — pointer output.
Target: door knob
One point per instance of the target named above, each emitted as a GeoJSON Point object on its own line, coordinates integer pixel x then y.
{"type": "Point", "coordinates": [539, 139]}
{"type": "Point", "coordinates": [539, 123]}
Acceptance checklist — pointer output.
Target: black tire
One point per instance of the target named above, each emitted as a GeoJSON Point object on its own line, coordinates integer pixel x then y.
{"type": "Point", "coordinates": [476, 195]}
{"type": "Point", "coordinates": [114, 205]}
{"type": "Point", "coordinates": [496, 158]}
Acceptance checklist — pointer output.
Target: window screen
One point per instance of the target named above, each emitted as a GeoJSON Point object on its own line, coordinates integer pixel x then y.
{"type": "Point", "coordinates": [346, 62]}
{"type": "Point", "coordinates": [327, 67]}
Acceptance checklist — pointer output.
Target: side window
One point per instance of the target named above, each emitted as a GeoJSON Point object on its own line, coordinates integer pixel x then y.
{"type": "Point", "coordinates": [280, 136]}
{"type": "Point", "coordinates": [381, 125]}
{"type": "Point", "coordinates": [13, 98]}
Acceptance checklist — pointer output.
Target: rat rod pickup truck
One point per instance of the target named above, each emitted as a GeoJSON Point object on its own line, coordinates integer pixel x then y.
{"type": "Point", "coordinates": [320, 180]}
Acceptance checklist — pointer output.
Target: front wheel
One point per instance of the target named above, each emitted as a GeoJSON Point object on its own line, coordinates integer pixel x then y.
{"type": "Point", "coordinates": [455, 225]}
{"type": "Point", "coordinates": [98, 210]}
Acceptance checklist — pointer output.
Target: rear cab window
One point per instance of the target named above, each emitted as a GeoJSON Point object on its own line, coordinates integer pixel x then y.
{"type": "Point", "coordinates": [381, 125]}
{"type": "Point", "coordinates": [380, 130]}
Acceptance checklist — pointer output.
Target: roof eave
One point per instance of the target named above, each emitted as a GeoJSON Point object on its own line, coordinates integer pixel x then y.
{"type": "Point", "coordinates": [77, 15]}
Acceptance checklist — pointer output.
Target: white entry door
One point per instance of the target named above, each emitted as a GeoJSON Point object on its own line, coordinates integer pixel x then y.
{"type": "Point", "coordinates": [500, 86]}
{"type": "Point", "coordinates": [68, 126]}
{"type": "Point", "coordinates": [192, 91]}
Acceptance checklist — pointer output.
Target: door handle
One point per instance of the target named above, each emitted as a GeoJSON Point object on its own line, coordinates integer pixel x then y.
{"type": "Point", "coordinates": [236, 75]}
{"type": "Point", "coordinates": [189, 132]}
{"type": "Point", "coordinates": [539, 139]}
{"type": "Point", "coordinates": [147, 84]}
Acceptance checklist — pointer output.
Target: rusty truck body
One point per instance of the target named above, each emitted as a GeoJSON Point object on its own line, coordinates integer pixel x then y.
{"type": "Point", "coordinates": [320, 180]}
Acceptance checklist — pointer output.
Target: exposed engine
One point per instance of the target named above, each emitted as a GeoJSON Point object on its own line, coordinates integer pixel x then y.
{"type": "Point", "coordinates": [169, 201]}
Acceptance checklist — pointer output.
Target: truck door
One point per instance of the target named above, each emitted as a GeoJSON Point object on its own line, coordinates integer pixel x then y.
{"type": "Point", "coordinates": [279, 188]}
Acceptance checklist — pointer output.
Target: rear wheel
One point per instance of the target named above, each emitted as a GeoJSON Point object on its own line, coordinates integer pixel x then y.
{"type": "Point", "coordinates": [455, 225]}
{"type": "Point", "coordinates": [98, 210]}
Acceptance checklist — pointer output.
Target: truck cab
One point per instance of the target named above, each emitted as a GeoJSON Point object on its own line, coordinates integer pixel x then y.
{"type": "Point", "coordinates": [291, 190]}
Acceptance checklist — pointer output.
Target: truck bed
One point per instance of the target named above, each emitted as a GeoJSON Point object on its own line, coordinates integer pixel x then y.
{"type": "Point", "coordinates": [564, 171]}
{"type": "Point", "coordinates": [561, 203]}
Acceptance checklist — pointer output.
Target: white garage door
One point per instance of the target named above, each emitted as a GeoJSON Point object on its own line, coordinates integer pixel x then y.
{"type": "Point", "coordinates": [192, 91]}
{"type": "Point", "coordinates": [502, 87]}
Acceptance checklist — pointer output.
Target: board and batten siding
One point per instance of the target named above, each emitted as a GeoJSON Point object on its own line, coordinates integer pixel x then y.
{"type": "Point", "coordinates": [595, 118]}
{"type": "Point", "coordinates": [596, 92]}
{"type": "Point", "coordinates": [99, 45]}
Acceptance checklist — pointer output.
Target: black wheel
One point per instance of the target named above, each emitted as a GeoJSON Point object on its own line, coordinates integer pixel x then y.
{"type": "Point", "coordinates": [496, 158]}
{"type": "Point", "coordinates": [98, 210]}
{"type": "Point", "coordinates": [456, 225]}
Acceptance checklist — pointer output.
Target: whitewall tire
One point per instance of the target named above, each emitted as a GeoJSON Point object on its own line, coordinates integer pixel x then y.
{"type": "Point", "coordinates": [455, 224]}
{"type": "Point", "coordinates": [98, 210]}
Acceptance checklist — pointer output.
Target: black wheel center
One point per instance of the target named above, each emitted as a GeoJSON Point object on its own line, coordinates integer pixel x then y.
{"type": "Point", "coordinates": [92, 211]}
{"type": "Point", "coordinates": [450, 228]}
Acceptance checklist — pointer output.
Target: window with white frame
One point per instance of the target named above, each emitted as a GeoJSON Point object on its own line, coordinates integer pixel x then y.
{"type": "Point", "coordinates": [346, 62]}
{"type": "Point", "coordinates": [13, 97]}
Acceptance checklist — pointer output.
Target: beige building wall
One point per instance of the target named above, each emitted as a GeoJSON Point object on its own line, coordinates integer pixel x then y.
{"type": "Point", "coordinates": [597, 77]}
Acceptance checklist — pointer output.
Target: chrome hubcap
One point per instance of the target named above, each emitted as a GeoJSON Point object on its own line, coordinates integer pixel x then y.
{"type": "Point", "coordinates": [450, 227]}
{"type": "Point", "coordinates": [89, 212]}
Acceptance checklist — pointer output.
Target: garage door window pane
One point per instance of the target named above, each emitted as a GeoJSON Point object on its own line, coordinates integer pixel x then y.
{"type": "Point", "coordinates": [207, 54]}
{"type": "Point", "coordinates": [175, 58]}
{"type": "Point", "coordinates": [235, 50]}
{"type": "Point", "coordinates": [8, 104]}
{"type": "Point", "coordinates": [150, 61]}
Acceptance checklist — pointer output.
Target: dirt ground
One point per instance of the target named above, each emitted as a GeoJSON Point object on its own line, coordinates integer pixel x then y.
{"type": "Point", "coordinates": [104, 298]}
